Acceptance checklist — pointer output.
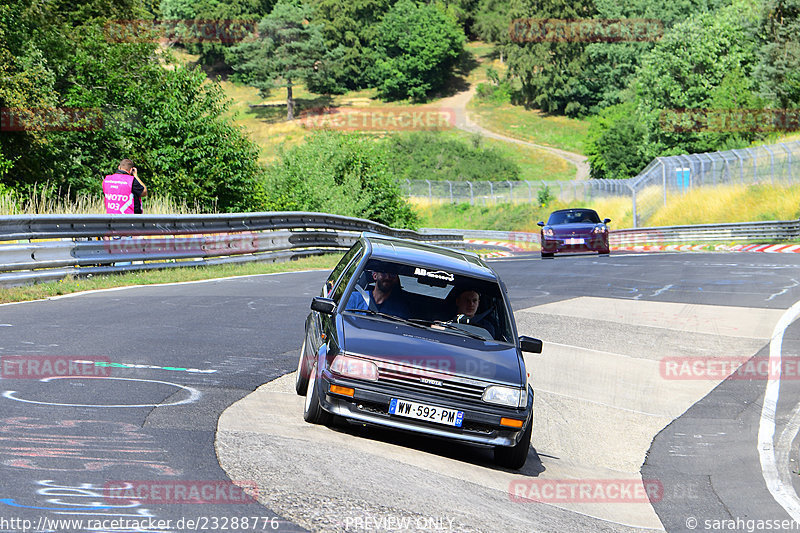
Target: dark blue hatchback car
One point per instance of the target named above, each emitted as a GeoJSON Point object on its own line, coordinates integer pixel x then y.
{"type": "Point", "coordinates": [418, 338]}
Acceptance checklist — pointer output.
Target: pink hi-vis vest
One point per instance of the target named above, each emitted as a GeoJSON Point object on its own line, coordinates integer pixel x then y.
{"type": "Point", "coordinates": [118, 192]}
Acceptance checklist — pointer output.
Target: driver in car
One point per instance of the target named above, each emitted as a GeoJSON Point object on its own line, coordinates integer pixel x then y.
{"type": "Point", "coordinates": [386, 296]}
{"type": "Point", "coordinates": [467, 302]}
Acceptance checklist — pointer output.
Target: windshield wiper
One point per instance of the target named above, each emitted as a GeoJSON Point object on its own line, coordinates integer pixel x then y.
{"type": "Point", "coordinates": [449, 326]}
{"type": "Point", "coordinates": [390, 317]}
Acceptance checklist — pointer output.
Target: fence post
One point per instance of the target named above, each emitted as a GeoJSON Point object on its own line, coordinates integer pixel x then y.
{"type": "Point", "coordinates": [451, 190]}
{"type": "Point", "coordinates": [530, 192]}
{"type": "Point", "coordinates": [491, 191]}
{"type": "Point", "coordinates": [430, 191]}
{"type": "Point", "coordinates": [664, 179]}
{"type": "Point", "coordinates": [771, 165]}
{"type": "Point", "coordinates": [741, 167]}
{"type": "Point", "coordinates": [510, 192]}
{"type": "Point", "coordinates": [788, 162]}
{"type": "Point", "coordinates": [633, 194]}
{"type": "Point", "coordinates": [471, 196]}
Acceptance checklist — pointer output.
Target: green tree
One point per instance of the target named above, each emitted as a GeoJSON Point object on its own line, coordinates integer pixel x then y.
{"type": "Point", "coordinates": [694, 66]}
{"type": "Point", "coordinates": [416, 48]}
{"type": "Point", "coordinates": [290, 47]}
{"type": "Point", "coordinates": [338, 173]}
{"type": "Point", "coordinates": [352, 27]}
{"type": "Point", "coordinates": [167, 118]}
{"type": "Point", "coordinates": [778, 68]}
{"type": "Point", "coordinates": [230, 18]}
{"type": "Point", "coordinates": [551, 71]}
{"type": "Point", "coordinates": [616, 143]}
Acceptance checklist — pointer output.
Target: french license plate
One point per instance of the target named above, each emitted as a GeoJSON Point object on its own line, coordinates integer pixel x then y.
{"type": "Point", "coordinates": [574, 240]}
{"type": "Point", "coordinates": [420, 411]}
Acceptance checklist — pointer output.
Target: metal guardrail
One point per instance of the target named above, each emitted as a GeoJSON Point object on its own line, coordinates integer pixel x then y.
{"type": "Point", "coordinates": [735, 232]}
{"type": "Point", "coordinates": [776, 230]}
{"type": "Point", "coordinates": [37, 248]}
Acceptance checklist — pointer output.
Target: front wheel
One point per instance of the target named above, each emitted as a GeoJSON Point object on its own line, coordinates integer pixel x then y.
{"type": "Point", "coordinates": [514, 457]}
{"type": "Point", "coordinates": [312, 410]}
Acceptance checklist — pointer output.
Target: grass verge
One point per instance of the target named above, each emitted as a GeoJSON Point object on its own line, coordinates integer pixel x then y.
{"type": "Point", "coordinates": [154, 277]}
{"type": "Point", "coordinates": [530, 125]}
{"type": "Point", "coordinates": [707, 205]}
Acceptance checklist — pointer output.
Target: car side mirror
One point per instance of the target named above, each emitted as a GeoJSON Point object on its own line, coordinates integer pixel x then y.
{"type": "Point", "coordinates": [540, 224]}
{"type": "Point", "coordinates": [323, 305]}
{"type": "Point", "coordinates": [529, 344]}
{"type": "Point", "coordinates": [606, 220]}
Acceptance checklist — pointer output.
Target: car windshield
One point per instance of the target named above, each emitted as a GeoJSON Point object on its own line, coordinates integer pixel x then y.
{"type": "Point", "coordinates": [432, 298]}
{"type": "Point", "coordinates": [573, 216]}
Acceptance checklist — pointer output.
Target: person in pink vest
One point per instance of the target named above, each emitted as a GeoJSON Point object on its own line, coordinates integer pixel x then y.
{"type": "Point", "coordinates": [123, 190]}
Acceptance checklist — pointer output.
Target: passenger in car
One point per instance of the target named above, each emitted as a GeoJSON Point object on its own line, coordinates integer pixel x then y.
{"type": "Point", "coordinates": [467, 302]}
{"type": "Point", "coordinates": [386, 296]}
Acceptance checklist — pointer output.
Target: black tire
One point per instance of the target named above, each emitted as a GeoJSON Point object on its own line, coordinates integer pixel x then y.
{"type": "Point", "coordinates": [547, 255]}
{"type": "Point", "coordinates": [301, 379]}
{"type": "Point", "coordinates": [604, 252]}
{"type": "Point", "coordinates": [514, 457]}
{"type": "Point", "coordinates": [312, 410]}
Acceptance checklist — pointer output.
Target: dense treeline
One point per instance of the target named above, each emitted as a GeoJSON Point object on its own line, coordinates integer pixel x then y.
{"type": "Point", "coordinates": [88, 100]}
{"type": "Point", "coordinates": [718, 55]}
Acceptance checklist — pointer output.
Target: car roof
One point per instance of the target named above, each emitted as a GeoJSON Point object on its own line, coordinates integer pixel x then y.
{"type": "Point", "coordinates": [574, 209]}
{"type": "Point", "coordinates": [424, 254]}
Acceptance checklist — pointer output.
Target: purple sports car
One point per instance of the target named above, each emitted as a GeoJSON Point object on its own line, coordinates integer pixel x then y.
{"type": "Point", "coordinates": [574, 230]}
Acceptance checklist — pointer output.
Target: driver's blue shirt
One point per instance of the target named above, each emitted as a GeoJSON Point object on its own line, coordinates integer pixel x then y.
{"type": "Point", "coordinates": [394, 305]}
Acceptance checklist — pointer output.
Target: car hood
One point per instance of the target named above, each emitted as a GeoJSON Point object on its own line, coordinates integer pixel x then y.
{"type": "Point", "coordinates": [573, 229]}
{"type": "Point", "coordinates": [447, 353]}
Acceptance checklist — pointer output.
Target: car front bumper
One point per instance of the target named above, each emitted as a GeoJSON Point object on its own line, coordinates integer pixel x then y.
{"type": "Point", "coordinates": [370, 405]}
{"type": "Point", "coordinates": [558, 245]}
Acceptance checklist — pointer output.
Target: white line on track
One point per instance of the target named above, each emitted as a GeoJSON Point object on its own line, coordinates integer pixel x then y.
{"type": "Point", "coordinates": [783, 493]}
{"type": "Point", "coordinates": [110, 289]}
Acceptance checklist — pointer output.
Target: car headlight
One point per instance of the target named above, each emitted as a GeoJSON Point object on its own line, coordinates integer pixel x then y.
{"type": "Point", "coordinates": [548, 232]}
{"type": "Point", "coordinates": [354, 367]}
{"type": "Point", "coordinates": [508, 396]}
{"type": "Point", "coordinates": [599, 229]}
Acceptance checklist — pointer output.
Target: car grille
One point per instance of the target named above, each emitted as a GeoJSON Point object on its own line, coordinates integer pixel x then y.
{"type": "Point", "coordinates": [410, 378]}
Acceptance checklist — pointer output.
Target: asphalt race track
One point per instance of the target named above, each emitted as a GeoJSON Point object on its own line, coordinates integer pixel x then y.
{"type": "Point", "coordinates": [185, 387]}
